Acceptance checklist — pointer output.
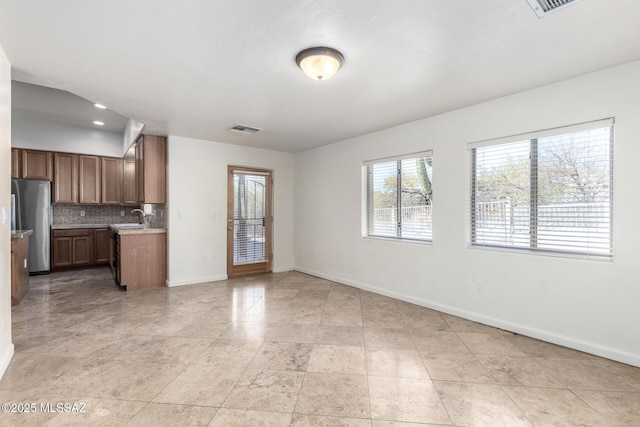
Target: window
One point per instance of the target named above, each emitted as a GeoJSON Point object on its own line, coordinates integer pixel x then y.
{"type": "Point", "coordinates": [549, 191]}
{"type": "Point", "coordinates": [398, 197]}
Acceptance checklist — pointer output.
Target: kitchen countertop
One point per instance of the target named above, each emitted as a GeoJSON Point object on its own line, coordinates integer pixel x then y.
{"type": "Point", "coordinates": [146, 230]}
{"type": "Point", "coordinates": [20, 234]}
{"type": "Point", "coordinates": [74, 226]}
{"type": "Point", "coordinates": [114, 227]}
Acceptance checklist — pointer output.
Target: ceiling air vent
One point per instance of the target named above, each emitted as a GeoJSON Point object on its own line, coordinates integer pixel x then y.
{"type": "Point", "coordinates": [545, 7]}
{"type": "Point", "coordinates": [243, 129]}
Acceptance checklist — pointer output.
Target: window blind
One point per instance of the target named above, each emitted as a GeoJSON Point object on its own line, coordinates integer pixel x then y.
{"type": "Point", "coordinates": [250, 213]}
{"type": "Point", "coordinates": [551, 192]}
{"type": "Point", "coordinates": [398, 197]}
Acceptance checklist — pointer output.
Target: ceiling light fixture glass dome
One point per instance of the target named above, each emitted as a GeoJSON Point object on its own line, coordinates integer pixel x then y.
{"type": "Point", "coordinates": [320, 63]}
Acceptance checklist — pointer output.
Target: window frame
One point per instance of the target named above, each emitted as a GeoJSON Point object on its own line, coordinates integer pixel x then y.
{"type": "Point", "coordinates": [533, 138]}
{"type": "Point", "coordinates": [368, 199]}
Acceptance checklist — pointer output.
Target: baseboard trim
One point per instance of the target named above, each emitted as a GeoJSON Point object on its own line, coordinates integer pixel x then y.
{"type": "Point", "coordinates": [587, 347]}
{"type": "Point", "coordinates": [196, 280]}
{"type": "Point", "coordinates": [5, 359]}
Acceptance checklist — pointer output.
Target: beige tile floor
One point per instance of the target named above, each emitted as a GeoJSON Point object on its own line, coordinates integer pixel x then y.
{"type": "Point", "coordinates": [289, 350]}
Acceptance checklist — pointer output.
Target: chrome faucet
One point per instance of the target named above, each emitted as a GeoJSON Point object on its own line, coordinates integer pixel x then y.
{"type": "Point", "coordinates": [144, 220]}
{"type": "Point", "coordinates": [146, 217]}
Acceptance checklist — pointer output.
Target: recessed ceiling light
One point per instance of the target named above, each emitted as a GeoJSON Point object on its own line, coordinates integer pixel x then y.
{"type": "Point", "coordinates": [100, 106]}
{"type": "Point", "coordinates": [98, 123]}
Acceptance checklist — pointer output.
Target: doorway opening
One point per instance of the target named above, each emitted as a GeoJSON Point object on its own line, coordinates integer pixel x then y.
{"type": "Point", "coordinates": [249, 221]}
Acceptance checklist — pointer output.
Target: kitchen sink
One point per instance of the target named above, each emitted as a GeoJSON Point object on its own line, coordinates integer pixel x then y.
{"type": "Point", "coordinates": [130, 225]}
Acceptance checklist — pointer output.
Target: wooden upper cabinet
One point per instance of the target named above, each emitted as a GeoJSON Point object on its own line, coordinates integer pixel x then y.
{"type": "Point", "coordinates": [37, 165]}
{"type": "Point", "coordinates": [129, 193]}
{"type": "Point", "coordinates": [151, 174]}
{"type": "Point", "coordinates": [15, 163]}
{"type": "Point", "coordinates": [90, 179]}
{"type": "Point", "coordinates": [86, 179]}
{"type": "Point", "coordinates": [111, 180]}
{"type": "Point", "coordinates": [19, 269]}
{"type": "Point", "coordinates": [139, 170]}
{"type": "Point", "coordinates": [65, 178]}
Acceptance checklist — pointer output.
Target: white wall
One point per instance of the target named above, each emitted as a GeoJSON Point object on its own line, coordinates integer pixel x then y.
{"type": "Point", "coordinates": [588, 305]}
{"type": "Point", "coordinates": [31, 130]}
{"type": "Point", "coordinates": [6, 347]}
{"type": "Point", "coordinates": [197, 188]}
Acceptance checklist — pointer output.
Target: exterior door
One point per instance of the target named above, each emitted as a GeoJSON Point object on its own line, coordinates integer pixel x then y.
{"type": "Point", "coordinates": [249, 221]}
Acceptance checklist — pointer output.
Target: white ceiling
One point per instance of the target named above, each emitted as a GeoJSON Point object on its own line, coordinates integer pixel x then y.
{"type": "Point", "coordinates": [62, 106]}
{"type": "Point", "coordinates": [196, 67]}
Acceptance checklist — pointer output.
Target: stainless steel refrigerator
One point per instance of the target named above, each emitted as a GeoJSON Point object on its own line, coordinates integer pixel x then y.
{"type": "Point", "coordinates": [33, 212]}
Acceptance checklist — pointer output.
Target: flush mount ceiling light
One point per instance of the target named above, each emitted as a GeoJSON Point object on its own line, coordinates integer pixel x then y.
{"type": "Point", "coordinates": [320, 63]}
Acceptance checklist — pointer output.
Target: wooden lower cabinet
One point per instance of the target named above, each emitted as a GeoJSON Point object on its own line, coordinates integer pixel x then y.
{"type": "Point", "coordinates": [82, 250]}
{"type": "Point", "coordinates": [19, 269]}
{"type": "Point", "coordinates": [137, 260]}
{"type": "Point", "coordinates": [61, 252]}
{"type": "Point", "coordinates": [142, 260]}
{"type": "Point", "coordinates": [102, 246]}
{"type": "Point", "coordinates": [72, 248]}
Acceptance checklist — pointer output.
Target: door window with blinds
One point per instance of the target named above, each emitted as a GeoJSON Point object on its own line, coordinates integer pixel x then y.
{"type": "Point", "coordinates": [549, 191]}
{"type": "Point", "coordinates": [249, 217]}
{"type": "Point", "coordinates": [398, 197]}
{"type": "Point", "coordinates": [249, 222]}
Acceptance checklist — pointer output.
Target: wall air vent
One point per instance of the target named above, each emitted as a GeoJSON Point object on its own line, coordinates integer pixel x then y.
{"type": "Point", "coordinates": [243, 129]}
{"type": "Point", "coordinates": [545, 7]}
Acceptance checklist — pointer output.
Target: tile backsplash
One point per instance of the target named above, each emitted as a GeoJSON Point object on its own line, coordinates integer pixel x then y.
{"type": "Point", "coordinates": [100, 214]}
{"type": "Point", "coordinates": [156, 214]}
